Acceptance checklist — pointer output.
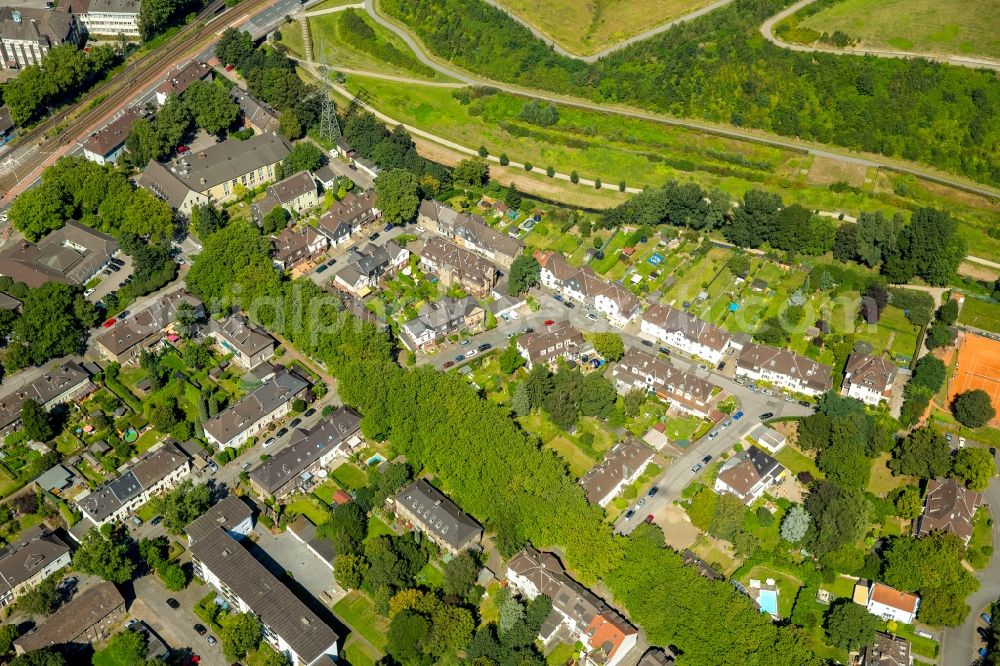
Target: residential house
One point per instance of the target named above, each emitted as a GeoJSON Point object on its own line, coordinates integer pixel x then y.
{"type": "Point", "coordinates": [107, 144]}
{"type": "Point", "coordinates": [366, 267]}
{"type": "Point", "coordinates": [326, 177]}
{"type": "Point", "coordinates": [27, 34]}
{"type": "Point", "coordinates": [157, 471]}
{"type": "Point", "coordinates": [560, 340]}
{"type": "Point", "coordinates": [748, 475]}
{"type": "Point", "coordinates": [578, 615]}
{"type": "Point", "coordinates": [348, 216]}
{"type": "Point", "coordinates": [622, 465]}
{"type": "Point", "coordinates": [107, 18]}
{"type": "Point", "coordinates": [457, 267]}
{"type": "Point", "coordinates": [126, 340]}
{"type": "Point", "coordinates": [181, 77]}
{"type": "Point", "coordinates": [885, 602]}
{"type": "Point", "coordinates": [256, 114]}
{"type": "Point", "coordinates": [869, 378]}
{"type": "Point", "coordinates": [250, 345]}
{"type": "Point", "coordinates": [161, 181]}
{"type": "Point", "coordinates": [235, 425]}
{"type": "Point", "coordinates": [655, 656]}
{"type": "Point", "coordinates": [885, 650]}
{"type": "Point", "coordinates": [65, 382]}
{"type": "Point", "coordinates": [471, 232]}
{"type": "Point", "coordinates": [294, 247]}
{"type": "Point", "coordinates": [427, 509]}
{"type": "Point", "coordinates": [295, 194]}
{"type": "Point", "coordinates": [767, 438]}
{"type": "Point", "coordinates": [89, 618]}
{"type": "Point", "coordinates": [683, 390]}
{"type": "Point", "coordinates": [437, 320]}
{"type": "Point", "coordinates": [72, 254]}
{"type": "Point", "coordinates": [613, 300]}
{"type": "Point", "coordinates": [784, 368]}
{"type": "Point", "coordinates": [684, 331]}
{"type": "Point", "coordinates": [308, 451]}
{"type": "Point", "coordinates": [948, 507]}
{"type": "Point", "coordinates": [216, 170]}
{"type": "Point", "coordinates": [288, 625]}
{"type": "Point", "coordinates": [36, 555]}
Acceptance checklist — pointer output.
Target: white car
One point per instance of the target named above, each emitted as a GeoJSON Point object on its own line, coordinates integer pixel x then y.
{"type": "Point", "coordinates": [471, 353]}
{"type": "Point", "coordinates": [961, 442]}
{"type": "Point", "coordinates": [513, 315]}
{"type": "Point", "coordinates": [591, 316]}
{"type": "Point", "coordinates": [420, 228]}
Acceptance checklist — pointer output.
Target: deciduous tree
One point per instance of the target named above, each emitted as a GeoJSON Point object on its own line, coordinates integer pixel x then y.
{"type": "Point", "coordinates": [973, 409]}
{"type": "Point", "coordinates": [397, 195]}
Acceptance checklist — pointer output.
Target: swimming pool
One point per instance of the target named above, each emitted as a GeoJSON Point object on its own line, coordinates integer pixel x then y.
{"type": "Point", "coordinates": [768, 602]}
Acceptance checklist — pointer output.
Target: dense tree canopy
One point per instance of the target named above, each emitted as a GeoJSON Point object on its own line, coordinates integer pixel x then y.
{"type": "Point", "coordinates": [924, 453]}
{"type": "Point", "coordinates": [973, 409]}
{"type": "Point", "coordinates": [106, 557]}
{"type": "Point", "coordinates": [397, 195]}
{"type": "Point", "coordinates": [931, 566]}
{"type": "Point", "coordinates": [54, 322]}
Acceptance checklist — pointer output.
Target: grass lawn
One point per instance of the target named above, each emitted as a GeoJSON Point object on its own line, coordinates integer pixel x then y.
{"type": "Point", "coordinates": [310, 508]}
{"type": "Point", "coordinates": [147, 439]}
{"type": "Point", "coordinates": [377, 527]}
{"type": "Point", "coordinates": [925, 647]}
{"type": "Point", "coordinates": [358, 612]}
{"type": "Point", "coordinates": [561, 654]}
{"type": "Point", "coordinates": [788, 586]}
{"type": "Point", "coordinates": [66, 443]}
{"type": "Point", "coordinates": [146, 512]}
{"type": "Point", "coordinates": [577, 461]}
{"type": "Point", "coordinates": [709, 550]}
{"type": "Point", "coordinates": [882, 482]}
{"type": "Point", "coordinates": [923, 26]}
{"type": "Point", "coordinates": [842, 588]}
{"type": "Point", "coordinates": [431, 576]}
{"type": "Point", "coordinates": [693, 275]}
{"type": "Point", "coordinates": [104, 658]}
{"type": "Point", "coordinates": [981, 314]}
{"type": "Point", "coordinates": [797, 462]}
{"type": "Point", "coordinates": [681, 427]}
{"type": "Point", "coordinates": [982, 537]}
{"type": "Point", "coordinates": [358, 653]}
{"type": "Point", "coordinates": [8, 484]}
{"type": "Point", "coordinates": [488, 611]}
{"type": "Point", "coordinates": [325, 492]}
{"type": "Point", "coordinates": [349, 476]}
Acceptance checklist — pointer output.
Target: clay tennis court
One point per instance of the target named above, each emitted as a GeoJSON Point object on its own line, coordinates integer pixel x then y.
{"type": "Point", "coordinates": [978, 368]}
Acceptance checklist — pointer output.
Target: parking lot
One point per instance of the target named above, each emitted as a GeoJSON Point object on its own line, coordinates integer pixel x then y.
{"type": "Point", "coordinates": [112, 277]}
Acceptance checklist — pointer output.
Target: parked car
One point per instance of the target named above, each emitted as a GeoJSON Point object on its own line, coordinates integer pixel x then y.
{"type": "Point", "coordinates": [309, 412]}
{"type": "Point", "coordinates": [527, 330]}
{"type": "Point", "coordinates": [485, 347]}
{"type": "Point", "coordinates": [116, 261]}
{"type": "Point", "coordinates": [182, 149]}
{"type": "Point", "coordinates": [664, 351]}
{"type": "Point", "coordinates": [230, 67]}
{"type": "Point", "coordinates": [702, 366]}
{"type": "Point", "coordinates": [789, 398]}
{"type": "Point", "coordinates": [766, 415]}
{"type": "Point", "coordinates": [448, 364]}
{"type": "Point", "coordinates": [136, 521]}
{"type": "Point", "coordinates": [124, 314]}
{"type": "Point", "coordinates": [947, 436]}
{"type": "Point", "coordinates": [569, 305]}
{"type": "Point", "coordinates": [375, 236]}
{"type": "Point", "coordinates": [629, 514]}
{"type": "Point", "coordinates": [805, 403]}
{"type": "Point", "coordinates": [713, 434]}
{"type": "Point", "coordinates": [268, 442]}
{"type": "Point", "coordinates": [156, 520]}
{"type": "Point", "coordinates": [987, 618]}
{"type": "Point", "coordinates": [591, 316]}
{"type": "Point", "coordinates": [558, 297]}
{"type": "Point", "coordinates": [727, 423]}
{"type": "Point", "coordinates": [388, 227]}
{"type": "Point", "coordinates": [109, 323]}
{"type": "Point", "coordinates": [465, 342]}
{"type": "Point", "coordinates": [696, 468]}
{"type": "Point", "coordinates": [642, 500]}
{"type": "Point", "coordinates": [200, 629]}
{"type": "Point", "coordinates": [245, 466]}
{"type": "Point", "coordinates": [88, 292]}
{"type": "Point", "coordinates": [213, 466]}
{"type": "Point", "coordinates": [647, 343]}
{"type": "Point", "coordinates": [459, 358]}
{"type": "Point", "coordinates": [295, 423]}
{"type": "Point", "coordinates": [649, 519]}
{"type": "Point", "coordinates": [173, 603]}
{"type": "Point", "coordinates": [471, 353]}
{"type": "Point", "coordinates": [211, 640]}
{"type": "Point", "coordinates": [131, 622]}
{"type": "Point", "coordinates": [721, 366]}
{"type": "Point", "coordinates": [706, 460]}
{"type": "Point", "coordinates": [961, 442]}
{"type": "Point", "coordinates": [737, 416]}
{"type": "Point", "coordinates": [321, 268]}
{"type": "Point", "coordinates": [549, 322]}
{"type": "Point", "coordinates": [653, 491]}
{"type": "Point", "coordinates": [281, 433]}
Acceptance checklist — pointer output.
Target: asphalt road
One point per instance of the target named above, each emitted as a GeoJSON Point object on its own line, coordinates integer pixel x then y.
{"type": "Point", "coordinates": [726, 131]}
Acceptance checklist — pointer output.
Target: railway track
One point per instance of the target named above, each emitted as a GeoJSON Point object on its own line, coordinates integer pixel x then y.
{"type": "Point", "coordinates": [77, 120]}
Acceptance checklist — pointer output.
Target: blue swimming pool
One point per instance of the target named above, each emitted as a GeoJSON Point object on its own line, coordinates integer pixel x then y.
{"type": "Point", "coordinates": [768, 602]}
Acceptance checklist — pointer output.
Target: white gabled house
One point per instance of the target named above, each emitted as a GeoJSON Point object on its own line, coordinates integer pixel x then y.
{"type": "Point", "coordinates": [612, 300]}
{"type": "Point", "coordinates": [687, 333]}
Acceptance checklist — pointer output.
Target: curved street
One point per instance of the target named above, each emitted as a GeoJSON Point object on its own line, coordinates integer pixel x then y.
{"type": "Point", "coordinates": [729, 132]}
{"type": "Point", "coordinates": [767, 30]}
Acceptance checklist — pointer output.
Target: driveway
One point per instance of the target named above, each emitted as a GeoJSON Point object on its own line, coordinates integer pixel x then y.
{"type": "Point", "coordinates": [301, 563]}
{"type": "Point", "coordinates": [175, 627]}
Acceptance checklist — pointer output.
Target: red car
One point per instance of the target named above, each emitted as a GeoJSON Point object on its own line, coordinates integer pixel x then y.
{"type": "Point", "coordinates": [182, 149]}
{"type": "Point", "coordinates": [109, 323]}
{"type": "Point", "coordinates": [230, 68]}
{"type": "Point", "coordinates": [649, 519]}
{"type": "Point", "coordinates": [448, 365]}
{"type": "Point", "coordinates": [549, 322]}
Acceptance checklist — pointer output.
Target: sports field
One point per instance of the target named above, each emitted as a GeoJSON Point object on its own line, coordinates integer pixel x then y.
{"type": "Point", "coordinates": [980, 314]}
{"type": "Point", "coordinates": [968, 27]}
{"type": "Point", "coordinates": [978, 368]}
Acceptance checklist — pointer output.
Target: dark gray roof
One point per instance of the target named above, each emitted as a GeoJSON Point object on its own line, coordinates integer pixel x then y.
{"type": "Point", "coordinates": [621, 462]}
{"type": "Point", "coordinates": [294, 186]}
{"type": "Point", "coordinates": [227, 513]}
{"type": "Point", "coordinates": [183, 76]}
{"type": "Point", "coordinates": [65, 626]}
{"type": "Point", "coordinates": [255, 111]}
{"type": "Point", "coordinates": [243, 336]}
{"type": "Point", "coordinates": [158, 179]}
{"type": "Point", "coordinates": [815, 375]}
{"type": "Point", "coordinates": [149, 321]}
{"type": "Point", "coordinates": [266, 399]}
{"type": "Point", "coordinates": [283, 613]}
{"type": "Point", "coordinates": [55, 382]}
{"type": "Point", "coordinates": [305, 448]}
{"type": "Point", "coordinates": [471, 228]}
{"type": "Point", "coordinates": [150, 469]}
{"type": "Point", "coordinates": [439, 514]}
{"type": "Point", "coordinates": [36, 549]}
{"type": "Point", "coordinates": [306, 530]}
{"type": "Point", "coordinates": [47, 27]}
{"type": "Point", "coordinates": [228, 160]}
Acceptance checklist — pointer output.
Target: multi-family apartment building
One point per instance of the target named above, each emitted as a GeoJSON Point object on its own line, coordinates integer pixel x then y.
{"type": "Point", "coordinates": [292, 247]}
{"type": "Point", "coordinates": [72, 254]}
{"type": "Point", "coordinates": [217, 170]}
{"type": "Point", "coordinates": [221, 560]}
{"type": "Point", "coordinates": [27, 34]}
{"type": "Point", "coordinates": [748, 475]}
{"type": "Point", "coordinates": [157, 471]}
{"type": "Point", "coordinates": [613, 300]}
{"type": "Point", "coordinates": [784, 368]}
{"type": "Point", "coordinates": [348, 216]}
{"type": "Point", "coordinates": [182, 76]}
{"type": "Point", "coordinates": [106, 18]}
{"type": "Point", "coordinates": [471, 232]}
{"type": "Point", "coordinates": [437, 320]}
{"type": "Point", "coordinates": [295, 194]}
{"type": "Point", "coordinates": [107, 144]}
{"type": "Point", "coordinates": [89, 618]}
{"type": "Point", "coordinates": [235, 425]}
{"type": "Point", "coordinates": [577, 613]}
{"type": "Point", "coordinates": [36, 555]}
{"type": "Point", "coordinates": [948, 507]}
{"type": "Point", "coordinates": [126, 340]}
{"type": "Point", "coordinates": [455, 266]}
{"type": "Point", "coordinates": [683, 390]}
{"type": "Point", "coordinates": [162, 182]}
{"type": "Point", "coordinates": [249, 344]}
{"type": "Point", "coordinates": [560, 340]}
{"type": "Point", "coordinates": [62, 383]}
{"type": "Point", "coordinates": [684, 331]}
{"type": "Point", "coordinates": [366, 266]}
{"type": "Point", "coordinates": [427, 509]}
{"type": "Point", "coordinates": [622, 464]}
